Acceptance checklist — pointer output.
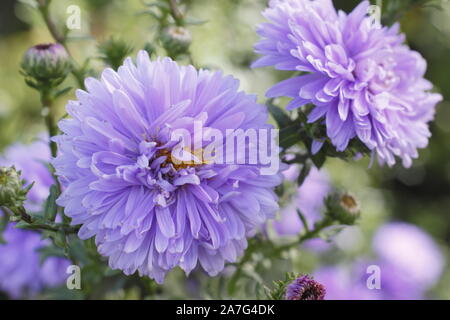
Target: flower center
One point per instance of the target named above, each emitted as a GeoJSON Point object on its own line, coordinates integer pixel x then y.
{"type": "Point", "coordinates": [186, 159]}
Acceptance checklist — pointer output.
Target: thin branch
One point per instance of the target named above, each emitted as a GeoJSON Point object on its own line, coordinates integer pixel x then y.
{"type": "Point", "coordinates": [175, 12]}
{"type": "Point", "coordinates": [22, 214]}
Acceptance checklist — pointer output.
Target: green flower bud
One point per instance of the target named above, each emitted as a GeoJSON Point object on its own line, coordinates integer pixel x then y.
{"type": "Point", "coordinates": [176, 40]}
{"type": "Point", "coordinates": [45, 65]}
{"type": "Point", "coordinates": [343, 208]}
{"type": "Point", "coordinates": [114, 51]}
{"type": "Point", "coordinates": [12, 191]}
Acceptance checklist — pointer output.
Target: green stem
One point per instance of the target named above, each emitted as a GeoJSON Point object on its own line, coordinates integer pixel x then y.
{"type": "Point", "coordinates": [61, 39]}
{"type": "Point", "coordinates": [24, 216]}
{"type": "Point", "coordinates": [48, 112]}
{"type": "Point", "coordinates": [176, 13]}
{"type": "Point", "coordinates": [52, 129]}
{"type": "Point", "coordinates": [309, 234]}
{"type": "Point", "coordinates": [44, 9]}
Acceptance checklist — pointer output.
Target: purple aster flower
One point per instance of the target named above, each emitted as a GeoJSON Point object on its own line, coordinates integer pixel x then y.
{"type": "Point", "coordinates": [309, 199]}
{"type": "Point", "coordinates": [148, 212]}
{"type": "Point", "coordinates": [409, 263]}
{"type": "Point", "coordinates": [362, 79]}
{"type": "Point", "coordinates": [21, 271]}
{"type": "Point", "coordinates": [305, 288]}
{"type": "Point", "coordinates": [410, 250]}
{"type": "Point", "coordinates": [395, 283]}
{"type": "Point", "coordinates": [31, 159]}
{"type": "Point", "coordinates": [343, 284]}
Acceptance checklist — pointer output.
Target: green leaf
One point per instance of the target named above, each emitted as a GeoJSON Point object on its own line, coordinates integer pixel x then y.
{"type": "Point", "coordinates": [319, 159]}
{"type": "Point", "coordinates": [51, 208]}
{"type": "Point", "coordinates": [283, 120]}
{"type": "Point", "coordinates": [51, 251]}
{"type": "Point", "coordinates": [289, 136]}
{"type": "Point", "coordinates": [233, 284]}
{"type": "Point", "coordinates": [279, 290]}
{"type": "Point", "coordinates": [304, 172]}
{"type": "Point", "coordinates": [36, 221]}
{"type": "Point", "coordinates": [62, 92]}
{"type": "Point", "coordinates": [59, 239]}
{"type": "Point", "coordinates": [194, 22]}
{"type": "Point", "coordinates": [303, 220]}
{"type": "Point", "coordinates": [78, 250]}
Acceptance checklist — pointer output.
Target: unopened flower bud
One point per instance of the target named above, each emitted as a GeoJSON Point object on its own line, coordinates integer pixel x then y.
{"type": "Point", "coordinates": [343, 207]}
{"type": "Point", "coordinates": [176, 40]}
{"type": "Point", "coordinates": [305, 288]}
{"type": "Point", "coordinates": [12, 191]}
{"type": "Point", "coordinates": [114, 51]}
{"type": "Point", "coordinates": [45, 65]}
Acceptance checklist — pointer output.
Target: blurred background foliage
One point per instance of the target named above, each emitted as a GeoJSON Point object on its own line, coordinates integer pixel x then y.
{"type": "Point", "coordinates": [420, 195]}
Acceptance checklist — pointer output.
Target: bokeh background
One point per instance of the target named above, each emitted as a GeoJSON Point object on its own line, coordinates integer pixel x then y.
{"type": "Point", "coordinates": [419, 196]}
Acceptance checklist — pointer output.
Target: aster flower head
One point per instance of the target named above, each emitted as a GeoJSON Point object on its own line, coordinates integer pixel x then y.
{"type": "Point", "coordinates": [411, 251]}
{"type": "Point", "coordinates": [364, 82]}
{"type": "Point", "coordinates": [408, 260]}
{"type": "Point", "coordinates": [148, 210]}
{"type": "Point", "coordinates": [342, 284]}
{"type": "Point", "coordinates": [21, 271]}
{"type": "Point", "coordinates": [305, 288]}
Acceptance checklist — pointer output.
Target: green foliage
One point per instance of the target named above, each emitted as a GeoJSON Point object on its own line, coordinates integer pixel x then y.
{"type": "Point", "coordinates": [114, 51]}
{"type": "Point", "coordinates": [278, 291]}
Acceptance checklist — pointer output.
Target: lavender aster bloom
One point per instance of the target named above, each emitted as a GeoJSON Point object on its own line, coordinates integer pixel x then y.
{"type": "Point", "coordinates": [410, 250]}
{"type": "Point", "coordinates": [30, 160]}
{"type": "Point", "coordinates": [147, 213]}
{"type": "Point", "coordinates": [343, 284]}
{"type": "Point", "coordinates": [362, 79]}
{"type": "Point", "coordinates": [409, 261]}
{"type": "Point", "coordinates": [305, 288]}
{"type": "Point", "coordinates": [21, 272]}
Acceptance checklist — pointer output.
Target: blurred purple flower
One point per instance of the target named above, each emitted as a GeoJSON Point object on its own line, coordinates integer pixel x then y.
{"type": "Point", "coordinates": [309, 199]}
{"type": "Point", "coordinates": [362, 79]}
{"type": "Point", "coordinates": [147, 213]}
{"type": "Point", "coordinates": [409, 261]}
{"type": "Point", "coordinates": [21, 272]}
{"type": "Point", "coordinates": [341, 284]}
{"type": "Point", "coordinates": [409, 249]}
{"type": "Point", "coordinates": [31, 159]}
